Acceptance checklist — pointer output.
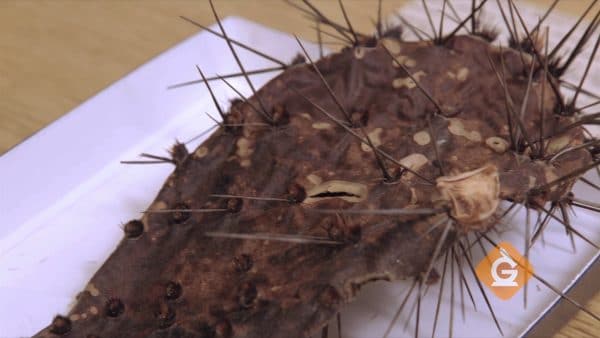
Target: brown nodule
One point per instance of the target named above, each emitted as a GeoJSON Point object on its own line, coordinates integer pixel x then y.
{"type": "Point", "coordinates": [181, 215]}
{"type": "Point", "coordinates": [280, 115]}
{"type": "Point", "coordinates": [296, 193]}
{"type": "Point", "coordinates": [179, 153]}
{"type": "Point", "coordinates": [165, 315]}
{"type": "Point", "coordinates": [242, 263]}
{"type": "Point", "coordinates": [329, 296]}
{"type": "Point", "coordinates": [298, 59]}
{"type": "Point", "coordinates": [134, 228]}
{"type": "Point", "coordinates": [60, 325]}
{"type": "Point", "coordinates": [204, 331]}
{"type": "Point", "coordinates": [344, 233]}
{"type": "Point", "coordinates": [235, 118]}
{"type": "Point", "coordinates": [234, 205]}
{"type": "Point", "coordinates": [247, 294]}
{"type": "Point", "coordinates": [173, 290]}
{"type": "Point", "coordinates": [433, 277]}
{"type": "Point", "coordinates": [359, 118]}
{"type": "Point", "coordinates": [223, 329]}
{"type": "Point", "coordinates": [114, 307]}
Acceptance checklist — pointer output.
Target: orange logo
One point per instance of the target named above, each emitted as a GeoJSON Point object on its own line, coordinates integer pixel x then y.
{"type": "Point", "coordinates": [504, 271]}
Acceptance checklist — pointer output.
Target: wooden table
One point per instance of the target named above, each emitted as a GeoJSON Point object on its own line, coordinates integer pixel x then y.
{"type": "Point", "coordinates": [56, 54]}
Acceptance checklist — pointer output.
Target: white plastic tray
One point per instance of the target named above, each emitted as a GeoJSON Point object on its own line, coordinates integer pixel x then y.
{"type": "Point", "coordinates": [63, 195]}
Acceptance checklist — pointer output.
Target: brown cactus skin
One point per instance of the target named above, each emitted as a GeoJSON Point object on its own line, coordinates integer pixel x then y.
{"type": "Point", "coordinates": [174, 281]}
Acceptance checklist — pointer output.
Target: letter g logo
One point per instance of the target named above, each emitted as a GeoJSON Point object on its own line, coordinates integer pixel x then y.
{"type": "Point", "coordinates": [503, 271]}
{"type": "Point", "coordinates": [511, 274]}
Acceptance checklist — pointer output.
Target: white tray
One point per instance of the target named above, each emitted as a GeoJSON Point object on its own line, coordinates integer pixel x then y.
{"type": "Point", "coordinates": [63, 195]}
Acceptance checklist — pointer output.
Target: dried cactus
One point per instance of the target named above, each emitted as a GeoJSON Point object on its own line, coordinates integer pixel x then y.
{"type": "Point", "coordinates": [367, 164]}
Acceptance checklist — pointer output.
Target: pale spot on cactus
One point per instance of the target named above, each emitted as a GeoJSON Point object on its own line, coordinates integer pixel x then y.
{"type": "Point", "coordinates": [474, 195]}
{"type": "Point", "coordinates": [84, 316]}
{"type": "Point", "coordinates": [410, 63]}
{"type": "Point", "coordinates": [404, 82]}
{"type": "Point", "coordinates": [314, 179]}
{"type": "Point", "coordinates": [462, 74]}
{"type": "Point", "coordinates": [391, 45]}
{"type": "Point", "coordinates": [404, 60]}
{"type": "Point", "coordinates": [407, 81]}
{"type": "Point", "coordinates": [359, 52]}
{"type": "Point", "coordinates": [74, 317]}
{"type": "Point", "coordinates": [159, 205]}
{"type": "Point", "coordinates": [413, 196]}
{"type": "Point", "coordinates": [497, 144]}
{"type": "Point", "coordinates": [475, 136]}
{"type": "Point", "coordinates": [375, 137]}
{"type": "Point", "coordinates": [414, 162]}
{"type": "Point", "coordinates": [532, 180]}
{"type": "Point", "coordinates": [347, 191]}
{"type": "Point", "coordinates": [457, 127]}
{"type": "Point", "coordinates": [321, 125]}
{"type": "Point", "coordinates": [93, 310]}
{"type": "Point", "coordinates": [306, 116]}
{"type": "Point", "coordinates": [557, 144]}
{"type": "Point", "coordinates": [201, 152]}
{"type": "Point", "coordinates": [527, 57]}
{"type": "Point", "coordinates": [247, 132]}
{"type": "Point", "coordinates": [244, 149]}
{"type": "Point", "coordinates": [91, 288]}
{"type": "Point", "coordinates": [422, 138]}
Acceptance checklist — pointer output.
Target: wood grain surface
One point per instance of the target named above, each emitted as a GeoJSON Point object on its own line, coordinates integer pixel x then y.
{"type": "Point", "coordinates": [56, 54]}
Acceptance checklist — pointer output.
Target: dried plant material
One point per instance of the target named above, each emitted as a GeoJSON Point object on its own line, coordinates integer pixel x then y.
{"type": "Point", "coordinates": [368, 164]}
{"type": "Point", "coordinates": [474, 195]}
{"type": "Point", "coordinates": [347, 191]}
{"type": "Point", "coordinates": [498, 144]}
